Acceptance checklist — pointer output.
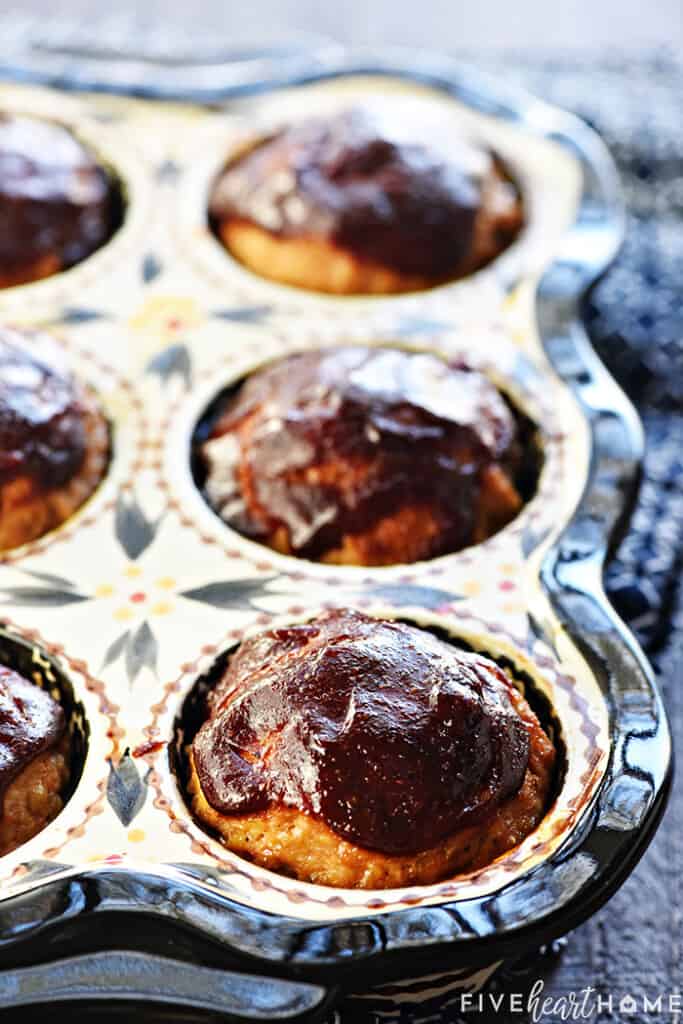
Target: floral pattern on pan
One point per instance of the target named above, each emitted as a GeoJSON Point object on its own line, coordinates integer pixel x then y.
{"type": "Point", "coordinates": [493, 356]}
{"type": "Point", "coordinates": [532, 166]}
{"type": "Point", "coordinates": [109, 144]}
{"type": "Point", "coordinates": [146, 586]}
{"type": "Point", "coordinates": [583, 735]}
{"type": "Point", "coordinates": [115, 398]}
{"type": "Point", "coordinates": [97, 723]}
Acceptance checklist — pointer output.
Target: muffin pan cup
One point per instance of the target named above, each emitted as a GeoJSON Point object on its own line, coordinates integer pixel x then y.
{"type": "Point", "coordinates": [144, 587]}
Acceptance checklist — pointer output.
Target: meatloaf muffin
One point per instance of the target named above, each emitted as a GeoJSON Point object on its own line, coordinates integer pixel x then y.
{"type": "Point", "coordinates": [363, 456]}
{"type": "Point", "coordinates": [364, 753]}
{"type": "Point", "coordinates": [57, 204]}
{"type": "Point", "coordinates": [54, 443]}
{"type": "Point", "coordinates": [361, 203]}
{"type": "Point", "coordinates": [34, 767]}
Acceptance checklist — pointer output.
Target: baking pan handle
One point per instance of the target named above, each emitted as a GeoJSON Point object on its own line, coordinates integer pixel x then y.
{"type": "Point", "coordinates": [121, 975]}
{"type": "Point", "coordinates": [572, 570]}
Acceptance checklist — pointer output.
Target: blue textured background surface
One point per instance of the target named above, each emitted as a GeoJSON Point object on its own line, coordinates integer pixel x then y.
{"type": "Point", "coordinates": [634, 945]}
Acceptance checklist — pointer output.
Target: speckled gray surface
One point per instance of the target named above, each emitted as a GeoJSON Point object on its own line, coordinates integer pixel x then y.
{"type": "Point", "coordinates": [488, 25]}
{"type": "Point", "coordinates": [633, 946]}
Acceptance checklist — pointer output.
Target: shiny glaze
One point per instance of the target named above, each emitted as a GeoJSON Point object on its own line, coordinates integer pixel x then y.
{"type": "Point", "coordinates": [54, 198]}
{"type": "Point", "coordinates": [392, 737]}
{"type": "Point", "coordinates": [567, 886]}
{"type": "Point", "coordinates": [405, 199]}
{"type": "Point", "coordinates": [30, 723]}
{"type": "Point", "coordinates": [391, 428]}
{"type": "Point", "coordinates": [42, 431]}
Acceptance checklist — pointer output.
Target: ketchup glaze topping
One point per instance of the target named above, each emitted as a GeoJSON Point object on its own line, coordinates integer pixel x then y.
{"type": "Point", "coordinates": [30, 723]}
{"type": "Point", "coordinates": [357, 179]}
{"type": "Point", "coordinates": [42, 432]}
{"type": "Point", "coordinates": [55, 200]}
{"type": "Point", "coordinates": [328, 442]}
{"type": "Point", "coordinates": [392, 737]}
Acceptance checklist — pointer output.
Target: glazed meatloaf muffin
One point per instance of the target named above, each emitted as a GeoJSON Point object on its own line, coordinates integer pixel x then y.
{"type": "Point", "coordinates": [54, 443]}
{"type": "Point", "coordinates": [362, 456]}
{"type": "Point", "coordinates": [34, 750]}
{"type": "Point", "coordinates": [364, 753]}
{"type": "Point", "coordinates": [361, 203]}
{"type": "Point", "coordinates": [57, 205]}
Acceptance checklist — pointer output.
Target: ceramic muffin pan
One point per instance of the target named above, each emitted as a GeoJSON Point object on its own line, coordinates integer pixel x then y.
{"type": "Point", "coordinates": [134, 598]}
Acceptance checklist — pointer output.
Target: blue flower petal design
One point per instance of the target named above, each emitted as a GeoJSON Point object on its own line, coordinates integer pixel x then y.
{"type": "Point", "coordinates": [151, 267]}
{"type": "Point", "coordinates": [243, 315]}
{"type": "Point", "coordinates": [402, 595]}
{"type": "Point", "coordinates": [22, 596]}
{"type": "Point", "coordinates": [229, 593]}
{"type": "Point", "coordinates": [126, 789]}
{"type": "Point", "coordinates": [174, 360]}
{"type": "Point", "coordinates": [413, 326]}
{"type": "Point", "coordinates": [115, 649]}
{"type": "Point", "coordinates": [76, 315]}
{"type": "Point", "coordinates": [168, 172]}
{"type": "Point", "coordinates": [134, 531]}
{"type": "Point", "coordinates": [142, 651]}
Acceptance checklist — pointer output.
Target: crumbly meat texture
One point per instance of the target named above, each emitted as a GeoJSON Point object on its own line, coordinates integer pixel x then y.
{"type": "Point", "coordinates": [291, 842]}
{"type": "Point", "coordinates": [357, 751]}
{"type": "Point", "coordinates": [54, 443]}
{"type": "Point", "coordinates": [364, 457]}
{"type": "Point", "coordinates": [345, 205]}
{"type": "Point", "coordinates": [34, 797]}
{"type": "Point", "coordinates": [57, 204]}
{"type": "Point", "coordinates": [27, 512]}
